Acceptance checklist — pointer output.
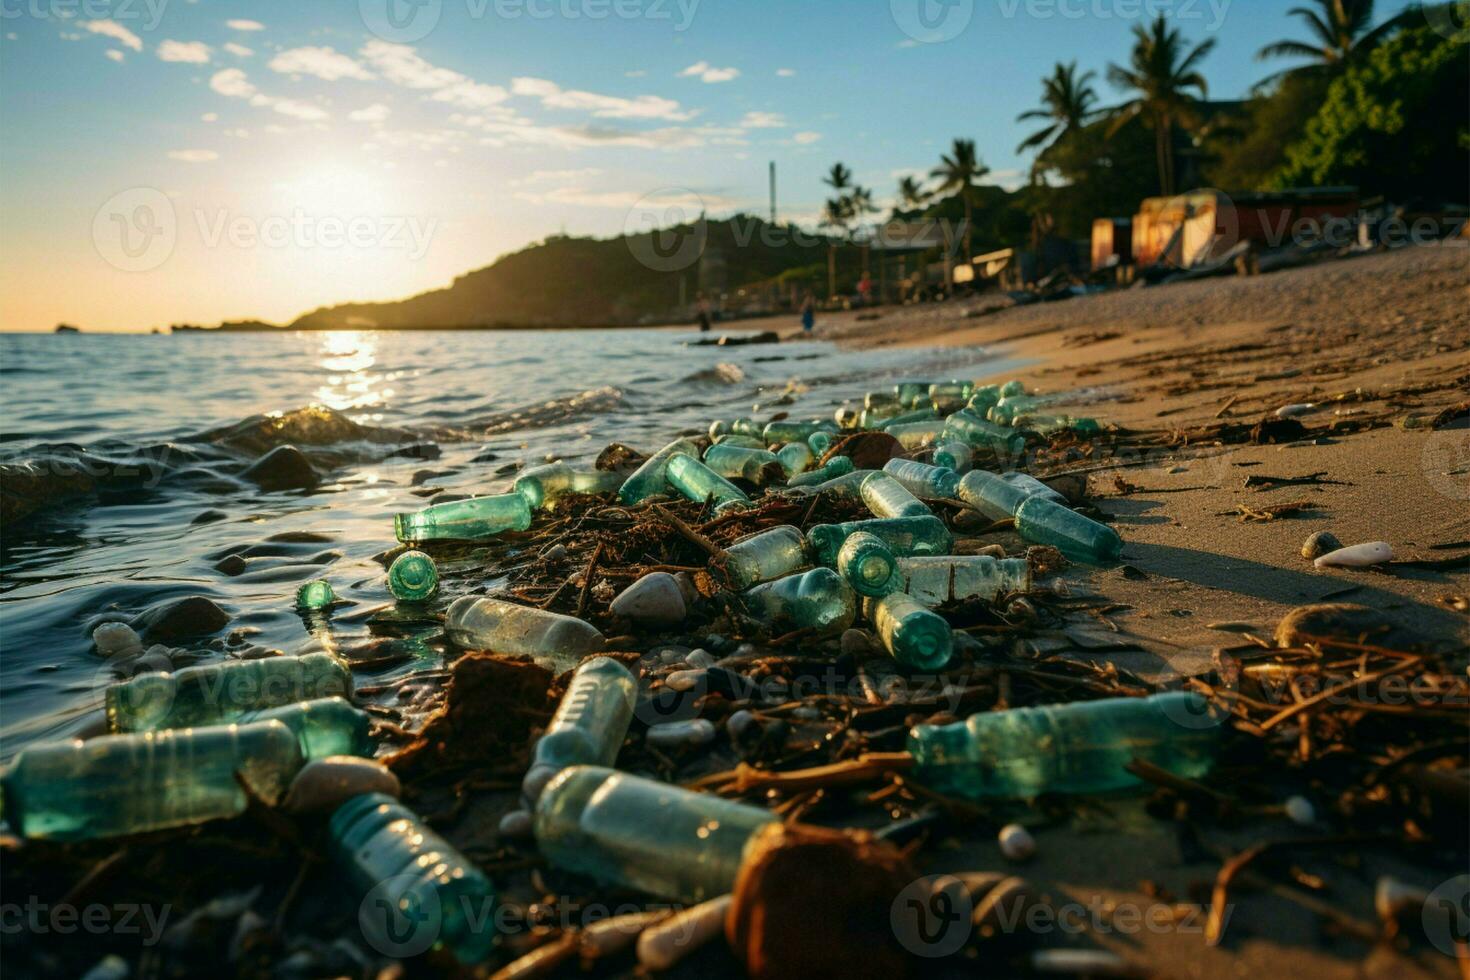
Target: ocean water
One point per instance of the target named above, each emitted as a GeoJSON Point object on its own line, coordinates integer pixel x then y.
{"type": "Point", "coordinates": [167, 423]}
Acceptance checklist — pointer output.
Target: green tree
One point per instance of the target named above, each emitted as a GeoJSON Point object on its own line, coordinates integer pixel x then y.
{"type": "Point", "coordinates": [1162, 74]}
{"type": "Point", "coordinates": [1067, 101]}
{"type": "Point", "coordinates": [958, 173]}
{"type": "Point", "coordinates": [911, 195]}
{"type": "Point", "coordinates": [1273, 120]}
{"type": "Point", "coordinates": [1340, 30]}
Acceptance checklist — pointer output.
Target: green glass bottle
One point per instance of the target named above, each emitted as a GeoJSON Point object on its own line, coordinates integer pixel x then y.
{"type": "Point", "coordinates": [433, 896]}
{"type": "Point", "coordinates": [766, 556]}
{"type": "Point", "coordinates": [483, 623]}
{"type": "Point", "coordinates": [316, 594]}
{"type": "Point", "coordinates": [954, 455]}
{"type": "Point", "coordinates": [744, 442]}
{"type": "Point", "coordinates": [886, 497]}
{"type": "Point", "coordinates": [746, 427]}
{"type": "Point", "coordinates": [980, 434]}
{"type": "Point", "coordinates": [818, 600]}
{"type": "Point", "coordinates": [795, 458]}
{"type": "Point", "coordinates": [132, 784]}
{"type": "Point", "coordinates": [1043, 521]}
{"type": "Point", "coordinates": [413, 577]}
{"type": "Point", "coordinates": [952, 389]}
{"type": "Point", "coordinates": [209, 694]}
{"type": "Point", "coordinates": [914, 436]}
{"type": "Point", "coordinates": [649, 836]}
{"type": "Point", "coordinates": [739, 463]}
{"type": "Point", "coordinates": [324, 727]}
{"type": "Point", "coordinates": [789, 431]}
{"type": "Point", "coordinates": [915, 635]}
{"type": "Point", "coordinates": [990, 495]}
{"type": "Point", "coordinates": [846, 485]}
{"type": "Point", "coordinates": [1032, 487]}
{"type": "Point", "coordinates": [649, 479]}
{"type": "Point", "coordinates": [700, 483]}
{"type": "Point", "coordinates": [922, 480]}
{"type": "Point", "coordinates": [589, 725]}
{"type": "Point", "coordinates": [1080, 747]}
{"type": "Point", "coordinates": [541, 485]}
{"type": "Point", "coordinates": [982, 400]}
{"type": "Point", "coordinates": [911, 393]}
{"type": "Point", "coordinates": [465, 520]}
{"type": "Point", "coordinates": [904, 536]}
{"type": "Point", "coordinates": [884, 400]}
{"type": "Point", "coordinates": [1048, 425]}
{"type": "Point", "coordinates": [1012, 389]}
{"type": "Point", "coordinates": [832, 469]}
{"type": "Point", "coordinates": [910, 417]}
{"type": "Point", "coordinates": [934, 581]}
{"type": "Point", "coordinates": [868, 565]}
{"type": "Point", "coordinates": [820, 442]}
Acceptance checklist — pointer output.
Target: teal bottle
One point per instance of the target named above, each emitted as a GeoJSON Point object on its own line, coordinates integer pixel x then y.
{"type": "Point", "coordinates": [316, 594]}
{"type": "Point", "coordinates": [1032, 487]}
{"type": "Point", "coordinates": [589, 725]}
{"type": "Point", "coordinates": [1080, 747]}
{"type": "Point", "coordinates": [954, 455]}
{"type": "Point", "coordinates": [323, 727]}
{"type": "Point", "coordinates": [1012, 389]}
{"type": "Point", "coordinates": [132, 784]}
{"type": "Point", "coordinates": [209, 694]}
{"type": "Point", "coordinates": [911, 393]}
{"type": "Point", "coordinates": [980, 434]}
{"type": "Point", "coordinates": [746, 427]}
{"type": "Point", "coordinates": [1008, 409]}
{"type": "Point", "coordinates": [911, 417]}
{"type": "Point", "coordinates": [952, 389]}
{"type": "Point", "coordinates": [431, 895]}
{"type": "Point", "coordinates": [934, 581]}
{"type": "Point", "coordinates": [465, 520]}
{"type": "Point", "coordinates": [541, 485]}
{"type": "Point", "coordinates": [922, 480]}
{"type": "Point", "coordinates": [700, 483]}
{"type": "Point", "coordinates": [818, 600]}
{"type": "Point", "coordinates": [991, 495]}
{"type": "Point", "coordinates": [867, 564]}
{"type": "Point", "coordinates": [1043, 521]}
{"type": "Point", "coordinates": [835, 467]}
{"type": "Point", "coordinates": [913, 436]}
{"type": "Point", "coordinates": [915, 635]}
{"type": "Point", "coordinates": [882, 400]}
{"type": "Point", "coordinates": [820, 442]}
{"type": "Point", "coordinates": [788, 431]}
{"type": "Point", "coordinates": [483, 623]}
{"type": "Point", "coordinates": [795, 457]}
{"type": "Point", "coordinates": [644, 835]}
{"type": "Point", "coordinates": [744, 442]}
{"type": "Point", "coordinates": [886, 497]}
{"type": "Point", "coordinates": [1048, 425]}
{"type": "Point", "coordinates": [847, 485]}
{"type": "Point", "coordinates": [413, 577]}
{"type": "Point", "coordinates": [739, 463]}
{"type": "Point", "coordinates": [649, 479]}
{"type": "Point", "coordinates": [766, 556]}
{"type": "Point", "coordinates": [718, 428]}
{"type": "Point", "coordinates": [904, 536]}
{"type": "Point", "coordinates": [982, 400]}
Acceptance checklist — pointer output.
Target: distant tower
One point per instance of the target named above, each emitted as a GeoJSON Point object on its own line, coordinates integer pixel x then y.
{"type": "Point", "coordinates": [773, 192]}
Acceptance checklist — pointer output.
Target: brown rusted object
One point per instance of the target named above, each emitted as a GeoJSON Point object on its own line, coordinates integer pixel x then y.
{"type": "Point", "coordinates": [867, 450]}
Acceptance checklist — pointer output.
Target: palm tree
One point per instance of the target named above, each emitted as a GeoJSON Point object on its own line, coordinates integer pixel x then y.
{"type": "Point", "coordinates": [911, 194]}
{"type": "Point", "coordinates": [860, 205]}
{"type": "Point", "coordinates": [836, 214]}
{"type": "Point", "coordinates": [1162, 75]}
{"type": "Point", "coordinates": [839, 178]}
{"type": "Point", "coordinates": [1066, 104]}
{"type": "Point", "coordinates": [1340, 29]}
{"type": "Point", "coordinates": [957, 173]}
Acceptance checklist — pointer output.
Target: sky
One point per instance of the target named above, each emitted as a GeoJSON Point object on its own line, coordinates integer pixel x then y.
{"type": "Point", "coordinates": [192, 161]}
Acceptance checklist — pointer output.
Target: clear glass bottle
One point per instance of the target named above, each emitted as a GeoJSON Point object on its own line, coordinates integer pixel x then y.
{"type": "Point", "coordinates": [700, 483]}
{"type": "Point", "coordinates": [922, 480]}
{"type": "Point", "coordinates": [954, 455]}
{"type": "Point", "coordinates": [413, 577]}
{"type": "Point", "coordinates": [952, 578]}
{"type": "Point", "coordinates": [992, 496]}
{"type": "Point", "coordinates": [465, 520]}
{"type": "Point", "coordinates": [868, 565]}
{"type": "Point", "coordinates": [541, 485]}
{"type": "Point", "coordinates": [820, 442]}
{"type": "Point", "coordinates": [589, 725]}
{"type": "Point", "coordinates": [818, 600]}
{"type": "Point", "coordinates": [1031, 486]}
{"type": "Point", "coordinates": [849, 484]}
{"type": "Point", "coordinates": [1080, 747]}
{"type": "Point", "coordinates": [324, 727]}
{"type": "Point", "coordinates": [886, 497]}
{"type": "Point", "coordinates": [980, 434]}
{"type": "Point", "coordinates": [482, 623]}
{"type": "Point", "coordinates": [914, 634]}
{"type": "Point", "coordinates": [795, 457]}
{"type": "Point", "coordinates": [209, 694]}
{"type": "Point", "coordinates": [910, 417]}
{"type": "Point", "coordinates": [913, 436]}
{"type": "Point", "coordinates": [766, 556]}
{"type": "Point", "coordinates": [739, 463]}
{"type": "Point", "coordinates": [835, 467]}
{"type": "Point", "coordinates": [1043, 521]}
{"type": "Point", "coordinates": [429, 885]}
{"type": "Point", "coordinates": [649, 479]}
{"type": "Point", "coordinates": [904, 536]}
{"type": "Point", "coordinates": [131, 784]}
{"type": "Point", "coordinates": [789, 431]}
{"type": "Point", "coordinates": [649, 836]}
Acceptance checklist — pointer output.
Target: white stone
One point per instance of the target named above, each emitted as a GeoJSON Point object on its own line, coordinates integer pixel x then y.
{"type": "Point", "coordinates": [1016, 842]}
{"type": "Point", "coordinates": [685, 680]}
{"type": "Point", "coordinates": [516, 824]}
{"type": "Point", "coordinates": [324, 784]}
{"type": "Point", "coordinates": [655, 598]}
{"type": "Point", "coordinates": [1357, 556]}
{"type": "Point", "coordinates": [1299, 810]}
{"type": "Point", "coordinates": [116, 639]}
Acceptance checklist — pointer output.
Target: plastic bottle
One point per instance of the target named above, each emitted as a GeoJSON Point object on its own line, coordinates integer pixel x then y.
{"type": "Point", "coordinates": [913, 436]}
{"type": "Point", "coordinates": [867, 565]}
{"type": "Point", "coordinates": [955, 455]}
{"type": "Point", "coordinates": [413, 577]}
{"type": "Point", "coordinates": [982, 400]}
{"type": "Point", "coordinates": [952, 389]}
{"type": "Point", "coordinates": [904, 536]}
{"type": "Point", "coordinates": [699, 483]}
{"type": "Point", "coordinates": [847, 485]}
{"type": "Point", "coordinates": [210, 694]}
{"type": "Point", "coordinates": [392, 857]}
{"type": "Point", "coordinates": [744, 442]}
{"type": "Point", "coordinates": [739, 463]}
{"type": "Point", "coordinates": [648, 480]}
{"type": "Point", "coordinates": [886, 497]}
{"type": "Point", "coordinates": [465, 520]}
{"type": "Point", "coordinates": [765, 556]}
{"type": "Point", "coordinates": [540, 485]}
{"type": "Point", "coordinates": [1011, 389]}
{"type": "Point", "coordinates": [1081, 747]}
{"type": "Point", "coordinates": [980, 434]}
{"type": "Point", "coordinates": [746, 427]}
{"type": "Point", "coordinates": [130, 784]}
{"type": "Point", "coordinates": [645, 835]}
{"type": "Point", "coordinates": [1043, 521]}
{"type": "Point", "coordinates": [922, 480]}
{"type": "Point", "coordinates": [1032, 486]}
{"type": "Point", "coordinates": [832, 469]}
{"type": "Point", "coordinates": [818, 600]}
{"type": "Point", "coordinates": [788, 431]}
{"type": "Point", "coordinates": [915, 635]}
{"type": "Point", "coordinates": [935, 581]}
{"type": "Point", "coordinates": [482, 623]}
{"type": "Point", "coordinates": [992, 496]}
{"type": "Point", "coordinates": [323, 727]}
{"type": "Point", "coordinates": [795, 458]}
{"type": "Point", "coordinates": [589, 725]}
{"type": "Point", "coordinates": [910, 418]}
{"type": "Point", "coordinates": [912, 392]}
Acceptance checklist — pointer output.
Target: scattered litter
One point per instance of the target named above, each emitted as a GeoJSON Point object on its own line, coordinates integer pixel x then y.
{"type": "Point", "coordinates": [1357, 556]}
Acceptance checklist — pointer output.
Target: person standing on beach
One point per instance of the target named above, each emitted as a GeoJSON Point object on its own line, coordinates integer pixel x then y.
{"type": "Point", "coordinates": [808, 314]}
{"type": "Point", "coordinates": [704, 316]}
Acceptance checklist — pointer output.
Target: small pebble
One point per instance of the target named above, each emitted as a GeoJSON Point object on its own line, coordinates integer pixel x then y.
{"type": "Point", "coordinates": [671, 735]}
{"type": "Point", "coordinates": [1319, 544]}
{"type": "Point", "coordinates": [685, 680]}
{"type": "Point", "coordinates": [702, 659]}
{"type": "Point", "coordinates": [655, 599]}
{"type": "Point", "coordinates": [672, 655]}
{"type": "Point", "coordinates": [516, 825]}
{"type": "Point", "coordinates": [1299, 810]}
{"type": "Point", "coordinates": [855, 643]}
{"type": "Point", "coordinates": [557, 552]}
{"type": "Point", "coordinates": [116, 639]}
{"type": "Point", "coordinates": [157, 658]}
{"type": "Point", "coordinates": [323, 784]}
{"type": "Point", "coordinates": [741, 724]}
{"type": "Point", "coordinates": [1016, 842]}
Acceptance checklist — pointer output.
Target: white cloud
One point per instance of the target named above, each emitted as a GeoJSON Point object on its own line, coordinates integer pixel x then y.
{"type": "Point", "coordinates": [292, 107]}
{"type": "Point", "coordinates": [553, 96]}
{"type": "Point", "coordinates": [708, 73]}
{"type": "Point", "coordinates": [115, 54]}
{"type": "Point", "coordinates": [323, 63]}
{"type": "Point", "coordinates": [188, 52]}
{"type": "Point", "coordinates": [687, 201]}
{"type": "Point", "coordinates": [233, 83]}
{"type": "Point", "coordinates": [209, 117]}
{"type": "Point", "coordinates": [238, 50]}
{"type": "Point", "coordinates": [806, 138]}
{"type": "Point", "coordinates": [401, 65]}
{"type": "Point", "coordinates": [763, 120]}
{"type": "Point", "coordinates": [471, 95]}
{"type": "Point", "coordinates": [375, 113]}
{"type": "Point", "coordinates": [556, 176]}
{"type": "Point", "coordinates": [193, 156]}
{"type": "Point", "coordinates": [244, 25]}
{"type": "Point", "coordinates": [114, 30]}
{"type": "Point", "coordinates": [786, 72]}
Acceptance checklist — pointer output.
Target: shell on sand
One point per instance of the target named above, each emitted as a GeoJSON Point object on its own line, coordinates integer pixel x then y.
{"type": "Point", "coordinates": [1358, 555]}
{"type": "Point", "coordinates": [1295, 411]}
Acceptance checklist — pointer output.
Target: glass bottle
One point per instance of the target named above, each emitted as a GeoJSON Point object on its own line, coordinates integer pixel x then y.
{"type": "Point", "coordinates": [795, 457]}
{"type": "Point", "coordinates": [992, 496]}
{"type": "Point", "coordinates": [818, 600]}
{"type": "Point", "coordinates": [789, 431]}
{"type": "Point", "coordinates": [914, 634]}
{"type": "Point", "coordinates": [649, 480]}
{"type": "Point", "coordinates": [323, 727]}
{"type": "Point", "coordinates": [922, 480]}
{"type": "Point", "coordinates": [868, 565]}
{"type": "Point", "coordinates": [980, 434]}
{"type": "Point", "coordinates": [1043, 521]}
{"type": "Point", "coordinates": [913, 436]}
{"type": "Point", "coordinates": [952, 578]}
{"type": "Point", "coordinates": [589, 725]}
{"type": "Point", "coordinates": [413, 577]}
{"type": "Point", "coordinates": [465, 520]}
{"type": "Point", "coordinates": [886, 497]}
{"type": "Point", "coordinates": [904, 536]}
{"type": "Point", "coordinates": [766, 555]}
{"type": "Point", "coordinates": [954, 455]}
{"type": "Point", "coordinates": [482, 623]}
{"type": "Point", "coordinates": [739, 463]}
{"type": "Point", "coordinates": [699, 483]}
{"type": "Point", "coordinates": [541, 485]}
{"type": "Point", "coordinates": [832, 469]}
